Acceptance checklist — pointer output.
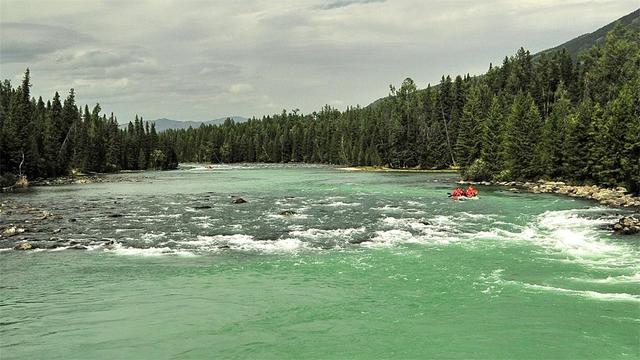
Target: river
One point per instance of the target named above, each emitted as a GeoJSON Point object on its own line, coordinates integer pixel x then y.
{"type": "Point", "coordinates": [360, 265]}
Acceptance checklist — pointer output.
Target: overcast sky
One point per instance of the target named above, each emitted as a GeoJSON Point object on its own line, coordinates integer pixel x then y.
{"type": "Point", "coordinates": [199, 60]}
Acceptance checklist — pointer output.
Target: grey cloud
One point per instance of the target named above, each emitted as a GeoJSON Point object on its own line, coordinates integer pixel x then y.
{"type": "Point", "coordinates": [342, 3]}
{"type": "Point", "coordinates": [23, 42]}
{"type": "Point", "coordinates": [196, 60]}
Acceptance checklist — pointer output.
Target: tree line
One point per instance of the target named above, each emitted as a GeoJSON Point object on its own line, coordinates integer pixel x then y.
{"type": "Point", "coordinates": [41, 140]}
{"type": "Point", "coordinates": [534, 117]}
{"type": "Point", "coordinates": [545, 116]}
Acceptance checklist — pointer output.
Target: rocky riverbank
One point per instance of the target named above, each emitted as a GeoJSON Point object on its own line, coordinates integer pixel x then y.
{"type": "Point", "coordinates": [91, 179]}
{"type": "Point", "coordinates": [617, 197]}
{"type": "Point", "coordinates": [68, 180]}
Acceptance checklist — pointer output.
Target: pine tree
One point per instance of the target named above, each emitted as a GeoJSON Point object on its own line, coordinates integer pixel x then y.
{"type": "Point", "coordinates": [524, 130]}
{"type": "Point", "coordinates": [554, 133]}
{"type": "Point", "coordinates": [469, 136]}
{"type": "Point", "coordinates": [492, 138]}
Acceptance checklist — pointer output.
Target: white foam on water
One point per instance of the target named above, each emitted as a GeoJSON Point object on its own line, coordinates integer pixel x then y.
{"type": "Point", "coordinates": [313, 233]}
{"type": "Point", "coordinates": [390, 238]}
{"type": "Point", "coordinates": [268, 246]}
{"type": "Point", "coordinates": [165, 216]}
{"type": "Point", "coordinates": [494, 282]}
{"type": "Point", "coordinates": [151, 237]}
{"type": "Point", "coordinates": [206, 242]}
{"type": "Point", "coordinates": [583, 293]}
{"type": "Point", "coordinates": [465, 216]}
{"type": "Point", "coordinates": [242, 242]}
{"type": "Point", "coordinates": [415, 203]}
{"type": "Point", "coordinates": [443, 220]}
{"type": "Point", "coordinates": [119, 249]}
{"type": "Point", "coordinates": [622, 279]}
{"type": "Point", "coordinates": [341, 204]}
{"type": "Point", "coordinates": [408, 223]}
{"type": "Point", "coordinates": [389, 208]}
{"type": "Point", "coordinates": [575, 235]}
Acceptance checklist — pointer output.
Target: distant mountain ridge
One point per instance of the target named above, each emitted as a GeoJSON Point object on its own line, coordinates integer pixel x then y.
{"type": "Point", "coordinates": [577, 45]}
{"type": "Point", "coordinates": [165, 124]}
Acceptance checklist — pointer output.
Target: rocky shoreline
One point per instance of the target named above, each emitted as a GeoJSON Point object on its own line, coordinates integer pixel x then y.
{"type": "Point", "coordinates": [618, 197]}
{"type": "Point", "coordinates": [90, 179]}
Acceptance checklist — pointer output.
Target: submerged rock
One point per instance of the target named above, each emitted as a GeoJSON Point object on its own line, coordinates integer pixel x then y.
{"type": "Point", "coordinates": [11, 231]}
{"type": "Point", "coordinates": [115, 215]}
{"type": "Point", "coordinates": [287, 213]}
{"type": "Point", "coordinates": [359, 241]}
{"type": "Point", "coordinates": [239, 201]}
{"type": "Point", "coordinates": [23, 246]}
{"type": "Point", "coordinates": [628, 225]}
{"type": "Point", "coordinates": [199, 207]}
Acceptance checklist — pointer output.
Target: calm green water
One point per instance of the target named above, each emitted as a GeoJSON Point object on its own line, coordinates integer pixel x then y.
{"type": "Point", "coordinates": [372, 265]}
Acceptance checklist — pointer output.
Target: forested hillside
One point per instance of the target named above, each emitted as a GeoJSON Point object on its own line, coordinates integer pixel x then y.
{"type": "Point", "coordinates": [548, 117]}
{"type": "Point", "coordinates": [39, 139]}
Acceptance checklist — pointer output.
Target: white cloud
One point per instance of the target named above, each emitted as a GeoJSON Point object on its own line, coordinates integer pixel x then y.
{"type": "Point", "coordinates": [197, 60]}
{"type": "Point", "coordinates": [240, 88]}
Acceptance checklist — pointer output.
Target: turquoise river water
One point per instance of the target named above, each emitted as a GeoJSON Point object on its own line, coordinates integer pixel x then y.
{"type": "Point", "coordinates": [366, 265]}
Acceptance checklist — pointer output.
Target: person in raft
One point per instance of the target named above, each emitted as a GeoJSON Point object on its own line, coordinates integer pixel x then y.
{"type": "Point", "coordinates": [457, 193]}
{"type": "Point", "coordinates": [471, 192]}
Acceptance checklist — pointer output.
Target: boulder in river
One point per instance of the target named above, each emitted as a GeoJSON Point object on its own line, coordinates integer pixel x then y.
{"type": "Point", "coordinates": [359, 241]}
{"type": "Point", "coordinates": [628, 225]}
{"type": "Point", "coordinates": [115, 215]}
{"type": "Point", "coordinates": [23, 246]}
{"type": "Point", "coordinates": [77, 247]}
{"type": "Point", "coordinates": [11, 231]}
{"type": "Point", "coordinates": [287, 213]}
{"type": "Point", "coordinates": [199, 207]}
{"type": "Point", "coordinates": [239, 200]}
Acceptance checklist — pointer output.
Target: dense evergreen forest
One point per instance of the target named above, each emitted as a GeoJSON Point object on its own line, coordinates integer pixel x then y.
{"type": "Point", "coordinates": [41, 140]}
{"type": "Point", "coordinates": [544, 116]}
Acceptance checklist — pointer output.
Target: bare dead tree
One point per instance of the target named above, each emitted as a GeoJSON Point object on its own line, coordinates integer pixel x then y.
{"type": "Point", "coordinates": [20, 166]}
{"type": "Point", "coordinates": [446, 131]}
